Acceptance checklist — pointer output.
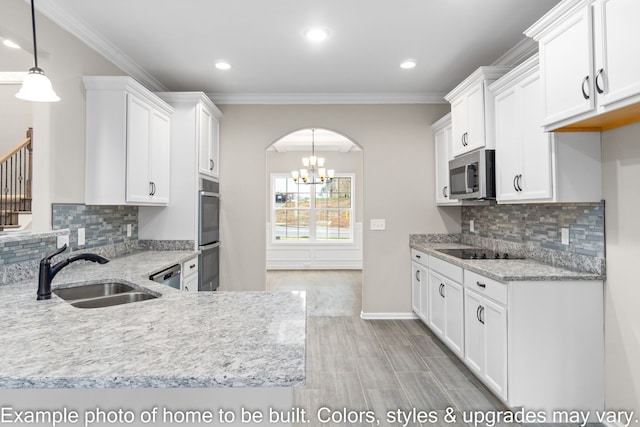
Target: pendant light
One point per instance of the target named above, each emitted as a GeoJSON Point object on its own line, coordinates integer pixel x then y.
{"type": "Point", "coordinates": [36, 86]}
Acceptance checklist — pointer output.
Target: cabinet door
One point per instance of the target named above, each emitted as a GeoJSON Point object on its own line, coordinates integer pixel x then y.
{"type": "Point", "coordinates": [437, 303]}
{"type": "Point", "coordinates": [214, 147]}
{"type": "Point", "coordinates": [566, 64]}
{"type": "Point", "coordinates": [475, 118]}
{"type": "Point", "coordinates": [618, 65]}
{"type": "Point", "coordinates": [459, 122]}
{"type": "Point", "coordinates": [509, 135]}
{"type": "Point", "coordinates": [190, 284]}
{"type": "Point", "coordinates": [416, 281]}
{"type": "Point", "coordinates": [474, 332]}
{"type": "Point", "coordinates": [139, 115]}
{"type": "Point", "coordinates": [495, 323]}
{"type": "Point", "coordinates": [205, 128]}
{"type": "Point", "coordinates": [454, 317]}
{"type": "Point", "coordinates": [160, 150]}
{"type": "Point", "coordinates": [536, 177]}
{"type": "Point", "coordinates": [443, 149]}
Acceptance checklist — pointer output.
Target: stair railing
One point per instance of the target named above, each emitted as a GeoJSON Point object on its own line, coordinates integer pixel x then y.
{"type": "Point", "coordinates": [16, 169]}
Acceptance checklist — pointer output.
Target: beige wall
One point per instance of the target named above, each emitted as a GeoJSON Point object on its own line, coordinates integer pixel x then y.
{"type": "Point", "coordinates": [398, 186]}
{"type": "Point", "coordinates": [621, 172]}
{"type": "Point", "coordinates": [58, 127]}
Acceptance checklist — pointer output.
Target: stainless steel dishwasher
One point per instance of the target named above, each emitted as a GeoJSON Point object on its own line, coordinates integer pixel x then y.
{"type": "Point", "coordinates": [169, 277]}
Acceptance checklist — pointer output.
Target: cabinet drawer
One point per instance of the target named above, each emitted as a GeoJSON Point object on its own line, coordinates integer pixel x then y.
{"type": "Point", "coordinates": [190, 267]}
{"type": "Point", "coordinates": [490, 288]}
{"type": "Point", "coordinates": [447, 269]}
{"type": "Point", "coordinates": [420, 257]}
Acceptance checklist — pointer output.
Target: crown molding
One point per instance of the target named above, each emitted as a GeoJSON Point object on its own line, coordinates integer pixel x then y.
{"type": "Point", "coordinates": [327, 98]}
{"type": "Point", "coordinates": [518, 54]}
{"type": "Point", "coordinates": [100, 44]}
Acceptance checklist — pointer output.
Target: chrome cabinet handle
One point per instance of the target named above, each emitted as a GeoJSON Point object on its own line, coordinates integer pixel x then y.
{"type": "Point", "coordinates": [480, 314]}
{"type": "Point", "coordinates": [584, 92]}
{"type": "Point", "coordinates": [152, 188]}
{"type": "Point", "coordinates": [515, 186]}
{"type": "Point", "coordinates": [444, 191]}
{"type": "Point", "coordinates": [418, 275]}
{"type": "Point", "coordinates": [598, 88]}
{"type": "Point", "coordinates": [211, 163]}
{"type": "Point", "coordinates": [441, 290]}
{"type": "Point", "coordinates": [518, 182]}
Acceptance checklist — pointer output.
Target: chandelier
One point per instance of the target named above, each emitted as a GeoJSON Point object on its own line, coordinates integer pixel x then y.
{"type": "Point", "coordinates": [313, 171]}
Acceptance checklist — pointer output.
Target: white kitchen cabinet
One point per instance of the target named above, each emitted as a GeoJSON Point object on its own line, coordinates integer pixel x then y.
{"type": "Point", "coordinates": [590, 74]}
{"type": "Point", "coordinates": [189, 278]}
{"type": "Point", "coordinates": [486, 337]}
{"type": "Point", "coordinates": [446, 302]}
{"type": "Point", "coordinates": [420, 284]}
{"type": "Point", "coordinates": [208, 140]}
{"type": "Point", "coordinates": [472, 111]}
{"type": "Point", "coordinates": [127, 143]}
{"type": "Point", "coordinates": [533, 165]}
{"type": "Point", "coordinates": [442, 142]}
{"type": "Point", "coordinates": [179, 220]}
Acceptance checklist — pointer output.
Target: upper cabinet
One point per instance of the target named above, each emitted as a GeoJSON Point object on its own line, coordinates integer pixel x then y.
{"type": "Point", "coordinates": [442, 141]}
{"type": "Point", "coordinates": [208, 139]}
{"type": "Point", "coordinates": [472, 111]}
{"type": "Point", "coordinates": [127, 145]}
{"type": "Point", "coordinates": [533, 165]}
{"type": "Point", "coordinates": [590, 72]}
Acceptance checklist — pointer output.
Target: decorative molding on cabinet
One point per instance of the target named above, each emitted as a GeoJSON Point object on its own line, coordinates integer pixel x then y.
{"type": "Point", "coordinates": [191, 98]}
{"type": "Point", "coordinates": [518, 54]}
{"type": "Point", "coordinates": [559, 12]}
{"type": "Point", "coordinates": [481, 74]}
{"type": "Point", "coordinates": [441, 123]}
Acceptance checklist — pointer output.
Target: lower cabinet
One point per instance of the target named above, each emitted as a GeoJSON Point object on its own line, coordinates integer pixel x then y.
{"type": "Point", "coordinates": [486, 340]}
{"type": "Point", "coordinates": [420, 284]}
{"type": "Point", "coordinates": [190, 275]}
{"type": "Point", "coordinates": [538, 345]}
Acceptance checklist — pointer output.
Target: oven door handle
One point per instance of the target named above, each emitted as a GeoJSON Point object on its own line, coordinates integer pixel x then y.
{"type": "Point", "coordinates": [209, 246]}
{"type": "Point", "coordinates": [208, 194]}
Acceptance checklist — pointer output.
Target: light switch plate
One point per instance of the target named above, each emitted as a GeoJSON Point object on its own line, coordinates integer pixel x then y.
{"type": "Point", "coordinates": [378, 224]}
{"type": "Point", "coordinates": [565, 236]}
{"type": "Point", "coordinates": [81, 241]}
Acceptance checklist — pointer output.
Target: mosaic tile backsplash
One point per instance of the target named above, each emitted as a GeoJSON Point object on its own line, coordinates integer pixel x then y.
{"type": "Point", "coordinates": [534, 230]}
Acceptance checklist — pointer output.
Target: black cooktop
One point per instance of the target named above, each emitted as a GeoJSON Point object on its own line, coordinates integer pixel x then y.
{"type": "Point", "coordinates": [478, 253]}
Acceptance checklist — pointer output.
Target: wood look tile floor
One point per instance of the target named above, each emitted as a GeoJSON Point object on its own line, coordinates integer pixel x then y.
{"type": "Point", "coordinates": [379, 365]}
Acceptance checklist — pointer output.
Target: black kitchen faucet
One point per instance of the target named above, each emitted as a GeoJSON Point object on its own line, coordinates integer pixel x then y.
{"type": "Point", "coordinates": [48, 272]}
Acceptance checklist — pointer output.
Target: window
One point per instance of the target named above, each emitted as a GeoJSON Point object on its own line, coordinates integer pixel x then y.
{"type": "Point", "coordinates": [312, 213]}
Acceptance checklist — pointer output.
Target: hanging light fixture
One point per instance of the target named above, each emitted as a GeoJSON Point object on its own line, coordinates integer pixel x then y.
{"type": "Point", "coordinates": [313, 169]}
{"type": "Point", "coordinates": [36, 86]}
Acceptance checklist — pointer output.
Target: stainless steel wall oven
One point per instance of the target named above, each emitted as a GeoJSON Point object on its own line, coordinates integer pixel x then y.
{"type": "Point", "coordinates": [209, 236]}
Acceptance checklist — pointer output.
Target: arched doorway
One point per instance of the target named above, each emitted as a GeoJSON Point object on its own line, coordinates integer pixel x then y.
{"type": "Point", "coordinates": [314, 229]}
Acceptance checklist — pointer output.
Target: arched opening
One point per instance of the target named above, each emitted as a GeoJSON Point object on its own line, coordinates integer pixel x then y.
{"type": "Point", "coordinates": [314, 228]}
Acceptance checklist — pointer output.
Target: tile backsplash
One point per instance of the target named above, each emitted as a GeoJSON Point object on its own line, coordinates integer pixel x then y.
{"type": "Point", "coordinates": [534, 230]}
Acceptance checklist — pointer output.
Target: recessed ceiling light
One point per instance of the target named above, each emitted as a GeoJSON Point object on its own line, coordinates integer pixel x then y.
{"type": "Point", "coordinates": [10, 44]}
{"type": "Point", "coordinates": [408, 64]}
{"type": "Point", "coordinates": [316, 34]}
{"type": "Point", "coordinates": [222, 65]}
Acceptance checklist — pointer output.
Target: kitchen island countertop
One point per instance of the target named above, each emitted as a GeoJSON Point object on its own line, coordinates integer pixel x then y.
{"type": "Point", "coordinates": [181, 339]}
{"type": "Point", "coordinates": [505, 270]}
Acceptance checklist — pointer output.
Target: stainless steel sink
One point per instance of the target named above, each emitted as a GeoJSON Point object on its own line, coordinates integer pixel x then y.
{"type": "Point", "coordinates": [124, 298]}
{"type": "Point", "coordinates": [94, 290]}
{"type": "Point", "coordinates": [103, 294]}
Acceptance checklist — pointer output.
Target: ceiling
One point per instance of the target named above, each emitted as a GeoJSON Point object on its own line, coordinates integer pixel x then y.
{"type": "Point", "coordinates": [323, 140]}
{"type": "Point", "coordinates": [174, 44]}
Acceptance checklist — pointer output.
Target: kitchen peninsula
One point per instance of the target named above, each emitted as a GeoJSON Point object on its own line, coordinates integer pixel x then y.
{"type": "Point", "coordinates": [181, 339]}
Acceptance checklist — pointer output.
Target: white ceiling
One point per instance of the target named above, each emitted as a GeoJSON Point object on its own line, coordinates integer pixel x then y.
{"type": "Point", "coordinates": [174, 44]}
{"type": "Point", "coordinates": [323, 140]}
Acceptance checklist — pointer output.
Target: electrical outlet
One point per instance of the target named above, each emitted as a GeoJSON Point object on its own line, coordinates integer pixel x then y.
{"type": "Point", "coordinates": [565, 236]}
{"type": "Point", "coordinates": [81, 241]}
{"type": "Point", "coordinates": [129, 232]}
{"type": "Point", "coordinates": [378, 224]}
{"type": "Point", "coordinates": [62, 240]}
{"type": "Point", "coordinates": [471, 226]}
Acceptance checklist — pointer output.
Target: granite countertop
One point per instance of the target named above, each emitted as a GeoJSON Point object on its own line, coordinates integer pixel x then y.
{"type": "Point", "coordinates": [505, 270]}
{"type": "Point", "coordinates": [181, 339]}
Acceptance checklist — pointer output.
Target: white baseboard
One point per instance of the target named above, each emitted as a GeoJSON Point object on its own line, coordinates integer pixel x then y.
{"type": "Point", "coordinates": [388, 316]}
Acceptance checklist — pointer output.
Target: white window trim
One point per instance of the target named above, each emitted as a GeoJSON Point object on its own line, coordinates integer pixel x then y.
{"type": "Point", "coordinates": [312, 216]}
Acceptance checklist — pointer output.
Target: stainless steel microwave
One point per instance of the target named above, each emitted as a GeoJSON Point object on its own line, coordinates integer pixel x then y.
{"type": "Point", "coordinates": [473, 176]}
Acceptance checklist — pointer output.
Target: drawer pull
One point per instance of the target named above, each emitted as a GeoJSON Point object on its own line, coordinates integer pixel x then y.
{"type": "Point", "coordinates": [482, 285]}
{"type": "Point", "coordinates": [418, 256]}
{"type": "Point", "coordinates": [192, 266]}
{"type": "Point", "coordinates": [441, 290]}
